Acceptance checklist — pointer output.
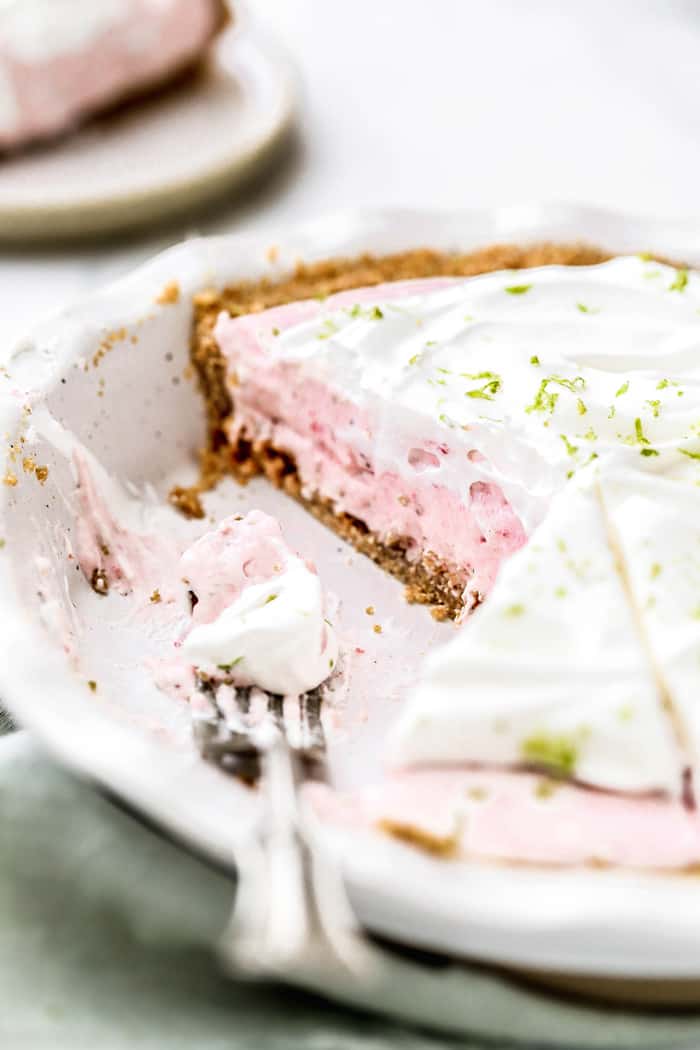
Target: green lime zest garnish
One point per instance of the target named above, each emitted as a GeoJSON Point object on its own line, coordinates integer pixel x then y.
{"type": "Point", "coordinates": [373, 313]}
{"type": "Point", "coordinates": [329, 328]}
{"type": "Point", "coordinates": [481, 375]}
{"type": "Point", "coordinates": [229, 667]}
{"type": "Point", "coordinates": [557, 752]}
{"type": "Point", "coordinates": [679, 282]}
{"type": "Point", "coordinates": [639, 433]}
{"type": "Point", "coordinates": [545, 400]}
{"type": "Point", "coordinates": [488, 390]}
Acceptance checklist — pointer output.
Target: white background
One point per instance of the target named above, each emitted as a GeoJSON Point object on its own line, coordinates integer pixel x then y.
{"type": "Point", "coordinates": [449, 103]}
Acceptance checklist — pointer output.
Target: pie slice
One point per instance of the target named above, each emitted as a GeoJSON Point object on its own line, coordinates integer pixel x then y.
{"type": "Point", "coordinates": [62, 61]}
{"type": "Point", "coordinates": [552, 672]}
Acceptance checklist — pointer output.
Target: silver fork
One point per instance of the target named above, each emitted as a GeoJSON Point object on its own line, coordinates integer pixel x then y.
{"type": "Point", "coordinates": [292, 920]}
{"type": "Point", "coordinates": [291, 910]}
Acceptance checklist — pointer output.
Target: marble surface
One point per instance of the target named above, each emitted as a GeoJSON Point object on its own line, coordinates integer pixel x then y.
{"type": "Point", "coordinates": [448, 103]}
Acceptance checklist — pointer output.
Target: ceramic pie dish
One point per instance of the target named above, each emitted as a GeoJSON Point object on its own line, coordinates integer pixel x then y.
{"type": "Point", "coordinates": [113, 375]}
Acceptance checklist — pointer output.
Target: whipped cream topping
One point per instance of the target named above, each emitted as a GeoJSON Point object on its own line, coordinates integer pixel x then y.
{"type": "Point", "coordinates": [40, 30]}
{"type": "Point", "coordinates": [258, 609]}
{"type": "Point", "coordinates": [551, 671]}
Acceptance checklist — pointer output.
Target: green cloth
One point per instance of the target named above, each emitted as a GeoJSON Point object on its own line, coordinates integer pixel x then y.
{"type": "Point", "coordinates": [105, 934]}
{"type": "Point", "coordinates": [105, 944]}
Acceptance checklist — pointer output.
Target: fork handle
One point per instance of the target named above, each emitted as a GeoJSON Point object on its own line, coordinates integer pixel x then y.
{"type": "Point", "coordinates": [291, 910]}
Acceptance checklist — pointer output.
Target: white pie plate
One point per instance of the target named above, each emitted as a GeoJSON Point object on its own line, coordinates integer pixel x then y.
{"type": "Point", "coordinates": [136, 742]}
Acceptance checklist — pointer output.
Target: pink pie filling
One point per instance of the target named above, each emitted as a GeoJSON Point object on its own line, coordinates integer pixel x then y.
{"type": "Point", "coordinates": [517, 817]}
{"type": "Point", "coordinates": [239, 553]}
{"type": "Point", "coordinates": [470, 532]}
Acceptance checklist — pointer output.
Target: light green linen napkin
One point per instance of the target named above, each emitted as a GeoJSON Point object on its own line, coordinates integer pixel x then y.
{"type": "Point", "coordinates": [105, 944]}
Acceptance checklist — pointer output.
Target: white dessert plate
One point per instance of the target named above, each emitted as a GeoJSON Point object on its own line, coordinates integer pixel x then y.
{"type": "Point", "coordinates": [158, 156]}
{"type": "Point", "coordinates": [141, 418]}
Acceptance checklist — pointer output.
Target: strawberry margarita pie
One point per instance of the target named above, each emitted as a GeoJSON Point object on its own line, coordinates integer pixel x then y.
{"type": "Point", "coordinates": [513, 434]}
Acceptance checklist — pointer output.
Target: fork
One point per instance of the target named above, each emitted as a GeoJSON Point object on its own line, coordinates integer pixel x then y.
{"type": "Point", "coordinates": [291, 910]}
{"type": "Point", "coordinates": [292, 920]}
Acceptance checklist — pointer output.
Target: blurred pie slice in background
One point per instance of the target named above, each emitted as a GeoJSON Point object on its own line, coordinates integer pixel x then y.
{"type": "Point", "coordinates": [62, 61]}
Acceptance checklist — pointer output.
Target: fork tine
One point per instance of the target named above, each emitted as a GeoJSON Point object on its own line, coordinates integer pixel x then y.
{"type": "Point", "coordinates": [228, 725]}
{"type": "Point", "coordinates": [205, 716]}
{"type": "Point", "coordinates": [313, 747]}
{"type": "Point", "coordinates": [232, 705]}
{"type": "Point", "coordinates": [275, 708]}
{"type": "Point", "coordinates": [220, 731]}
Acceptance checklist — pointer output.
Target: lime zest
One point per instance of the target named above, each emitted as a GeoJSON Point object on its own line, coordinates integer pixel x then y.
{"type": "Point", "coordinates": [229, 667]}
{"type": "Point", "coordinates": [680, 281]}
{"type": "Point", "coordinates": [558, 752]}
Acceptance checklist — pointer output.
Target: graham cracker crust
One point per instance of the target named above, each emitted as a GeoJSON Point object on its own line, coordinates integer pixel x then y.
{"type": "Point", "coordinates": [427, 581]}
